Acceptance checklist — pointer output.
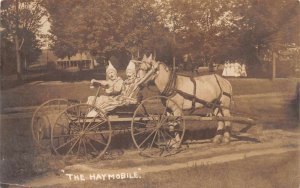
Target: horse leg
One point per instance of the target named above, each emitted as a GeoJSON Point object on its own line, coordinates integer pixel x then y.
{"type": "Point", "coordinates": [175, 142]}
{"type": "Point", "coordinates": [220, 129]}
{"type": "Point", "coordinates": [227, 132]}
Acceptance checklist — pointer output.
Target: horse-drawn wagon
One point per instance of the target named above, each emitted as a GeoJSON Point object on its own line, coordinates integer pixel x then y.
{"type": "Point", "coordinates": [156, 124]}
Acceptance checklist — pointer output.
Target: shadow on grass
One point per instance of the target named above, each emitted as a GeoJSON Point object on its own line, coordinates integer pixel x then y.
{"type": "Point", "coordinates": [246, 138]}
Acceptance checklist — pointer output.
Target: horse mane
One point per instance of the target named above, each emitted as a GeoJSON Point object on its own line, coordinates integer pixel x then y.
{"type": "Point", "coordinates": [165, 66]}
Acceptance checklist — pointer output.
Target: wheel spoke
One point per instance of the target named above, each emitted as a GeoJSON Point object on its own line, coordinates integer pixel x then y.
{"type": "Point", "coordinates": [92, 146]}
{"type": "Point", "coordinates": [163, 135]}
{"type": "Point", "coordinates": [145, 110]}
{"type": "Point", "coordinates": [163, 115]}
{"type": "Point", "coordinates": [85, 118]}
{"type": "Point", "coordinates": [96, 125]}
{"type": "Point", "coordinates": [147, 130]}
{"type": "Point", "coordinates": [69, 119]}
{"type": "Point", "coordinates": [73, 146]}
{"type": "Point", "coordinates": [168, 134]}
{"type": "Point", "coordinates": [147, 138]}
{"type": "Point", "coordinates": [64, 144]}
{"type": "Point", "coordinates": [78, 146]}
{"type": "Point", "coordinates": [93, 120]}
{"type": "Point", "coordinates": [85, 151]}
{"type": "Point", "coordinates": [78, 116]}
{"type": "Point", "coordinates": [97, 140]}
{"type": "Point", "coordinates": [153, 139]}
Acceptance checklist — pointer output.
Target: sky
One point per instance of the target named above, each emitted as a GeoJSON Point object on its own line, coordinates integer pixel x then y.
{"type": "Point", "coordinates": [45, 30]}
{"type": "Point", "coordinates": [46, 26]}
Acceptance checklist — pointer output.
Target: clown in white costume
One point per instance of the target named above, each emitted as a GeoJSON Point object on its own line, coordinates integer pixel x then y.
{"type": "Point", "coordinates": [128, 94]}
{"type": "Point", "coordinates": [129, 90]}
{"type": "Point", "coordinates": [113, 85]}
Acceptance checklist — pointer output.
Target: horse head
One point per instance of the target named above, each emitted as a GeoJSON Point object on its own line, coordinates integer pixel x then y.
{"type": "Point", "coordinates": [155, 70]}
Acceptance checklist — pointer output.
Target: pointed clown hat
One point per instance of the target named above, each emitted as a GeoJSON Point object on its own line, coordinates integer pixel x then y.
{"type": "Point", "coordinates": [131, 67]}
{"type": "Point", "coordinates": [110, 67]}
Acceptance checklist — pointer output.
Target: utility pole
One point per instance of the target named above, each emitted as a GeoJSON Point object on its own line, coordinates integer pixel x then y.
{"type": "Point", "coordinates": [19, 65]}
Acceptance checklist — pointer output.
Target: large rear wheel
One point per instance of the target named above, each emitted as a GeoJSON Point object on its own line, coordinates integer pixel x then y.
{"type": "Point", "coordinates": [43, 118]}
{"type": "Point", "coordinates": [81, 131]}
{"type": "Point", "coordinates": [155, 131]}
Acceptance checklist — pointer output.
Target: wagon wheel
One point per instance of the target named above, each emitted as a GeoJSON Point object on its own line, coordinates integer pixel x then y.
{"type": "Point", "coordinates": [43, 118]}
{"type": "Point", "coordinates": [155, 131]}
{"type": "Point", "coordinates": [82, 131]}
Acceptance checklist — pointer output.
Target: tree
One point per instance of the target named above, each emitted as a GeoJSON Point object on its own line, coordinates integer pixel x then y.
{"type": "Point", "coordinates": [270, 24]}
{"type": "Point", "coordinates": [22, 21]}
{"type": "Point", "coordinates": [202, 28]}
{"type": "Point", "coordinates": [103, 27]}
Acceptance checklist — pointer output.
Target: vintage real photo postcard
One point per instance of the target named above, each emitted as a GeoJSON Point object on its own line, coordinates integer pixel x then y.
{"type": "Point", "coordinates": [150, 93]}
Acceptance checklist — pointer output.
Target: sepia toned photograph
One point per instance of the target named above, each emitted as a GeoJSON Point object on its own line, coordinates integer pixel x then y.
{"type": "Point", "coordinates": [150, 93]}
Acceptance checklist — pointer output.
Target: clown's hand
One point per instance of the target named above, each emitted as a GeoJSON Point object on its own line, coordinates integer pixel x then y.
{"type": "Point", "coordinates": [103, 82]}
{"type": "Point", "coordinates": [92, 81]}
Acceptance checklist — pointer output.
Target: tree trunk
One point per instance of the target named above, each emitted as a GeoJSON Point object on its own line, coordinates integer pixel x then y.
{"type": "Point", "coordinates": [25, 64]}
{"type": "Point", "coordinates": [18, 58]}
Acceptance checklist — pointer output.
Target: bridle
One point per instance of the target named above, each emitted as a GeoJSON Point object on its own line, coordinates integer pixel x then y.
{"type": "Point", "coordinates": [169, 88]}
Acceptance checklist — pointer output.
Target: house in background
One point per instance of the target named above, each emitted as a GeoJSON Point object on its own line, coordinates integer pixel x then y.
{"type": "Point", "coordinates": [77, 62]}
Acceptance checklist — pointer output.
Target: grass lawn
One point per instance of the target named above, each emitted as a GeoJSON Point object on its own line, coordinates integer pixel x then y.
{"type": "Point", "coordinates": [35, 93]}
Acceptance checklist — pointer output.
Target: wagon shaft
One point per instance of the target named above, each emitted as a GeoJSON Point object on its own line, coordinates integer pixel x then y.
{"type": "Point", "coordinates": [189, 118]}
{"type": "Point", "coordinates": [220, 118]}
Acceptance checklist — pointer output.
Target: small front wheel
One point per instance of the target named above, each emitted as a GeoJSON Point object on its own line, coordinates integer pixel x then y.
{"type": "Point", "coordinates": [155, 131]}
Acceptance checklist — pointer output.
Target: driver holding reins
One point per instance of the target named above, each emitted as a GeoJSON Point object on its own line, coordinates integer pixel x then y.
{"type": "Point", "coordinates": [113, 85]}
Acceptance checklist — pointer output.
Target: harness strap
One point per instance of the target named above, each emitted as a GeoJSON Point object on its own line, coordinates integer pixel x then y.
{"type": "Point", "coordinates": [168, 90]}
{"type": "Point", "coordinates": [194, 93]}
{"type": "Point", "coordinates": [185, 95]}
{"type": "Point", "coordinates": [227, 94]}
{"type": "Point", "coordinates": [221, 93]}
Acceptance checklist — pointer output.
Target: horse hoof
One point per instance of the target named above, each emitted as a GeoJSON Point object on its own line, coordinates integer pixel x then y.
{"type": "Point", "coordinates": [217, 139]}
{"type": "Point", "coordinates": [226, 138]}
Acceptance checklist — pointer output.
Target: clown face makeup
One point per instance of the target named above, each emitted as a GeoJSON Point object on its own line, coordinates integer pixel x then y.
{"type": "Point", "coordinates": [131, 75]}
{"type": "Point", "coordinates": [111, 75]}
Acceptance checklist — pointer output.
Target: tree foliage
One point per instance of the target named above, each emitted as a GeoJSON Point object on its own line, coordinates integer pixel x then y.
{"type": "Point", "coordinates": [29, 23]}
{"type": "Point", "coordinates": [102, 27]}
{"type": "Point", "coordinates": [211, 31]}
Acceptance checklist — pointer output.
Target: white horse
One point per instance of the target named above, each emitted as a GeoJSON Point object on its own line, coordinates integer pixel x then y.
{"type": "Point", "coordinates": [191, 93]}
